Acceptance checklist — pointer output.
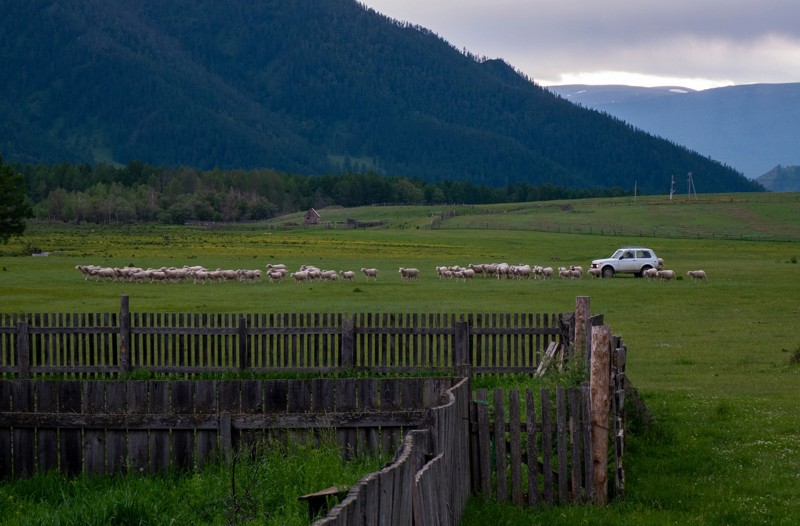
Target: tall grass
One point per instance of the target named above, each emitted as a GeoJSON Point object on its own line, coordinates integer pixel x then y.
{"type": "Point", "coordinates": [262, 488]}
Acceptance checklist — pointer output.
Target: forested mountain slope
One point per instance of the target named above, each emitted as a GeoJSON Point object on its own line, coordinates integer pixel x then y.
{"type": "Point", "coordinates": [303, 86]}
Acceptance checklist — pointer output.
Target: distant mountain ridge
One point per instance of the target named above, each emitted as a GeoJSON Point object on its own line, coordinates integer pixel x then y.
{"type": "Point", "coordinates": [782, 179]}
{"type": "Point", "coordinates": [305, 87]}
{"type": "Point", "coordinates": [749, 127]}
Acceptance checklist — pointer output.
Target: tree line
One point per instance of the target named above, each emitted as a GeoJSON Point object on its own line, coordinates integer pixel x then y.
{"type": "Point", "coordinates": [139, 192]}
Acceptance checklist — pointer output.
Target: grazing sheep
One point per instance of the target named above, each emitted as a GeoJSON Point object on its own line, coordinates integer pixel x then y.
{"type": "Point", "coordinates": [666, 275]}
{"type": "Point", "coordinates": [594, 272]}
{"type": "Point", "coordinates": [650, 273]}
{"type": "Point", "coordinates": [347, 275]}
{"type": "Point", "coordinates": [522, 271]}
{"type": "Point", "coordinates": [276, 275]}
{"type": "Point", "coordinates": [250, 276]}
{"type": "Point", "coordinates": [660, 263]}
{"type": "Point", "coordinates": [300, 276]}
{"type": "Point", "coordinates": [547, 272]}
{"type": "Point", "coordinates": [478, 268]}
{"type": "Point", "coordinates": [407, 274]}
{"type": "Point", "coordinates": [329, 275]}
{"type": "Point", "coordinates": [370, 273]}
{"type": "Point", "coordinates": [697, 275]}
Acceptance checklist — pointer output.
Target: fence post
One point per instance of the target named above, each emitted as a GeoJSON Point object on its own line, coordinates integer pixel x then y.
{"type": "Point", "coordinates": [244, 356]}
{"type": "Point", "coordinates": [461, 354]}
{"type": "Point", "coordinates": [124, 336]}
{"type": "Point", "coordinates": [599, 386]}
{"type": "Point", "coordinates": [581, 339]}
{"type": "Point", "coordinates": [347, 351]}
{"type": "Point", "coordinates": [23, 351]}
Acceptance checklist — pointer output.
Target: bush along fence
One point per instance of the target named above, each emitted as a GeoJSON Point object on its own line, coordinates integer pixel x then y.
{"type": "Point", "coordinates": [564, 446]}
{"type": "Point", "coordinates": [109, 344]}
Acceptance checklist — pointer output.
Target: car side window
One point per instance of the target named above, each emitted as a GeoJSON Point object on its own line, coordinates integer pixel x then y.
{"type": "Point", "coordinates": [644, 254]}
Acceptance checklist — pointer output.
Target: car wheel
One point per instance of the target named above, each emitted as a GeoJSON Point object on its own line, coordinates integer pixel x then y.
{"type": "Point", "coordinates": [608, 272]}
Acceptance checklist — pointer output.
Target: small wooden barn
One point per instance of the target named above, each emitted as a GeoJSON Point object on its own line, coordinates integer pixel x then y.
{"type": "Point", "coordinates": [311, 217]}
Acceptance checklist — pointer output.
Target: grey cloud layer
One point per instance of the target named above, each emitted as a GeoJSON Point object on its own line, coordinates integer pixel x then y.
{"type": "Point", "coordinates": [743, 41]}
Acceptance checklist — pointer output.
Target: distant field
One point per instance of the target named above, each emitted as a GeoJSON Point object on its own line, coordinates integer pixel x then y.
{"type": "Point", "coordinates": [715, 362]}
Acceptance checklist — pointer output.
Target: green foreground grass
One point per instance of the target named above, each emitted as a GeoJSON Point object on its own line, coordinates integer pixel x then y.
{"type": "Point", "coordinates": [716, 362]}
{"type": "Point", "coordinates": [263, 491]}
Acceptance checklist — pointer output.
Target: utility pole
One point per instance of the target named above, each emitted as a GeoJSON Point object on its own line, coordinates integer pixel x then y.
{"type": "Point", "coordinates": [690, 183]}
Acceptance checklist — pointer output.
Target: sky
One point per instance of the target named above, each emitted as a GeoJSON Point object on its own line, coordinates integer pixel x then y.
{"type": "Point", "coordinates": [697, 44]}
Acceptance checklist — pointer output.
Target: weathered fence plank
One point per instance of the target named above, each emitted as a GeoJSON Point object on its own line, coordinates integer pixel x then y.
{"type": "Point", "coordinates": [532, 451]}
{"type": "Point", "coordinates": [515, 439]}
{"type": "Point", "coordinates": [547, 447]}
{"type": "Point", "coordinates": [500, 445]}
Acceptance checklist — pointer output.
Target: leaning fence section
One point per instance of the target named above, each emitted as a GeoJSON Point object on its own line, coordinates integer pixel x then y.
{"type": "Point", "coordinates": [91, 345]}
{"type": "Point", "coordinates": [429, 480]}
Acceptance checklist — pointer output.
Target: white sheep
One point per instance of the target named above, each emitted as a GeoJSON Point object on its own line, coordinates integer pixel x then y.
{"type": "Point", "coordinates": [697, 275]}
{"type": "Point", "coordinates": [594, 272]}
{"type": "Point", "coordinates": [329, 275]}
{"type": "Point", "coordinates": [407, 274]}
{"type": "Point", "coordinates": [370, 273]}
{"type": "Point", "coordinates": [666, 275]}
{"type": "Point", "coordinates": [300, 276]}
{"type": "Point", "coordinates": [347, 275]}
{"type": "Point", "coordinates": [276, 275]}
{"type": "Point", "coordinates": [650, 273]}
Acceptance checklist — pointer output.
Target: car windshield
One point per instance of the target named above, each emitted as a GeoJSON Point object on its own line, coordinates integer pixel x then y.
{"type": "Point", "coordinates": [617, 254]}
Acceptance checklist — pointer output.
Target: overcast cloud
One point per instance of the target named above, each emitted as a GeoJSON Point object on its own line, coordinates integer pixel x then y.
{"type": "Point", "coordinates": [693, 43]}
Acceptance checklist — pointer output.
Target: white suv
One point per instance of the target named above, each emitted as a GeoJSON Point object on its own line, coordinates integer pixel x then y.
{"type": "Point", "coordinates": [627, 260]}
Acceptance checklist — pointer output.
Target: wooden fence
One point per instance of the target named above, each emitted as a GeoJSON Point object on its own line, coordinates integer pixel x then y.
{"type": "Point", "coordinates": [429, 480]}
{"type": "Point", "coordinates": [541, 457]}
{"type": "Point", "coordinates": [556, 454]}
{"type": "Point", "coordinates": [114, 426]}
{"type": "Point", "coordinates": [108, 344]}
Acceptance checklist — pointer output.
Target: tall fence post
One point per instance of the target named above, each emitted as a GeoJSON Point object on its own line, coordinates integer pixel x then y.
{"type": "Point", "coordinates": [581, 339]}
{"type": "Point", "coordinates": [124, 336]}
{"type": "Point", "coordinates": [23, 351]}
{"type": "Point", "coordinates": [347, 350]}
{"type": "Point", "coordinates": [599, 386]}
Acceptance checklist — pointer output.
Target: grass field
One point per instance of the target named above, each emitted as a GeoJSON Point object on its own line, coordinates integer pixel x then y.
{"type": "Point", "coordinates": [717, 363]}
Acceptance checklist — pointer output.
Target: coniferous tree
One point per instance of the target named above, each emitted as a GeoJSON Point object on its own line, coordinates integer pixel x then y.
{"type": "Point", "coordinates": [14, 208]}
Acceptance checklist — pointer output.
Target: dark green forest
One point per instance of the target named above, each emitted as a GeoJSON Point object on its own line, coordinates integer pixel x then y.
{"type": "Point", "coordinates": [305, 87]}
{"type": "Point", "coordinates": [78, 193]}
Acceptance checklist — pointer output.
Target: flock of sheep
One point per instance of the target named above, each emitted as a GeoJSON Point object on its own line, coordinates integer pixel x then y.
{"type": "Point", "coordinates": [195, 274]}
{"type": "Point", "coordinates": [670, 275]}
{"type": "Point", "coordinates": [276, 273]}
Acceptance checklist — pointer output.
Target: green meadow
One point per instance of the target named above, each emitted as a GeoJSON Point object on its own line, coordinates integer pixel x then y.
{"type": "Point", "coordinates": [717, 363]}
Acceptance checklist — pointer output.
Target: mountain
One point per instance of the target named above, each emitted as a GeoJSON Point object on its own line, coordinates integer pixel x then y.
{"type": "Point", "coordinates": [749, 127]}
{"type": "Point", "coordinates": [302, 86]}
{"type": "Point", "coordinates": [781, 179]}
